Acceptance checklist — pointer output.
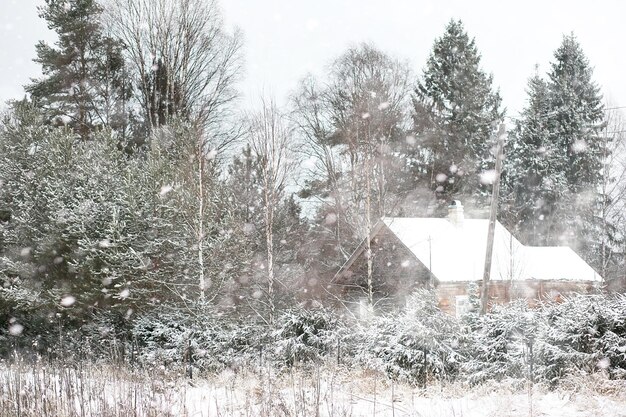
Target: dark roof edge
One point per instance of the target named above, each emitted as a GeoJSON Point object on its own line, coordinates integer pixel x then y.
{"type": "Point", "coordinates": [359, 250]}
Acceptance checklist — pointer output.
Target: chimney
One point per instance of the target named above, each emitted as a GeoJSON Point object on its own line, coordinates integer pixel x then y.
{"type": "Point", "coordinates": [455, 213]}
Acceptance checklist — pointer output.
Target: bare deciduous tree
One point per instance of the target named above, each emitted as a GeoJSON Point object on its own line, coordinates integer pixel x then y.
{"type": "Point", "coordinates": [612, 191]}
{"type": "Point", "coordinates": [270, 138]}
{"type": "Point", "coordinates": [354, 130]}
{"type": "Point", "coordinates": [185, 62]}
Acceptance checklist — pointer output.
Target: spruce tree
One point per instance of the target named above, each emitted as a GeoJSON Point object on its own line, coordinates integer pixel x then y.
{"type": "Point", "coordinates": [533, 180]}
{"type": "Point", "coordinates": [555, 159]}
{"type": "Point", "coordinates": [455, 110]}
{"type": "Point", "coordinates": [577, 115]}
{"type": "Point", "coordinates": [84, 83]}
{"type": "Point", "coordinates": [576, 120]}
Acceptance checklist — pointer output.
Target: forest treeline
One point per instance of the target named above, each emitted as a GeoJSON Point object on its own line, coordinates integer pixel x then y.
{"type": "Point", "coordinates": [132, 181]}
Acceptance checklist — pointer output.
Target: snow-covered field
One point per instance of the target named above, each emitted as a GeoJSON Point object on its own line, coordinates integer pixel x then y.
{"type": "Point", "coordinates": [357, 394]}
{"type": "Point", "coordinates": [29, 390]}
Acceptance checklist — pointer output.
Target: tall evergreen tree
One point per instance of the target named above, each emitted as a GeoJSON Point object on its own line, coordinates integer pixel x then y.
{"type": "Point", "coordinates": [455, 110]}
{"type": "Point", "coordinates": [73, 228]}
{"type": "Point", "coordinates": [85, 84]}
{"type": "Point", "coordinates": [533, 181]}
{"type": "Point", "coordinates": [555, 159]}
{"type": "Point", "coordinates": [577, 115]}
{"type": "Point", "coordinates": [577, 119]}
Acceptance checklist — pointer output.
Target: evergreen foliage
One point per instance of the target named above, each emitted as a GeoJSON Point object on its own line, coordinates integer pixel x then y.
{"type": "Point", "coordinates": [305, 335]}
{"type": "Point", "coordinates": [496, 343]}
{"type": "Point", "coordinates": [419, 345]}
{"type": "Point", "coordinates": [85, 84]}
{"type": "Point", "coordinates": [556, 160]}
{"type": "Point", "coordinates": [160, 256]}
{"type": "Point", "coordinates": [533, 181]}
{"type": "Point", "coordinates": [455, 109]}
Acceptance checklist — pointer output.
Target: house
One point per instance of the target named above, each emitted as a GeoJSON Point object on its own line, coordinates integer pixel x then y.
{"type": "Point", "coordinates": [448, 254]}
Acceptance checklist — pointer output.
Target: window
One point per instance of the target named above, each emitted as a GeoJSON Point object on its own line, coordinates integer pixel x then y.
{"type": "Point", "coordinates": [462, 305]}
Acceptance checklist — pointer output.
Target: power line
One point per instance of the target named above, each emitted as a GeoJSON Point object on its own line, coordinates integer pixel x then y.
{"type": "Point", "coordinates": [555, 112]}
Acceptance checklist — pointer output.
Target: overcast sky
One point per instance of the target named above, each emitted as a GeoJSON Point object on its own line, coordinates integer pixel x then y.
{"type": "Point", "coordinates": [285, 39]}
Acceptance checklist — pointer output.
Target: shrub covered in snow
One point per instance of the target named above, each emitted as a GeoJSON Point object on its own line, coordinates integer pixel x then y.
{"type": "Point", "coordinates": [585, 333]}
{"type": "Point", "coordinates": [207, 344]}
{"type": "Point", "coordinates": [581, 335]}
{"type": "Point", "coordinates": [497, 343]}
{"type": "Point", "coordinates": [419, 344]}
{"type": "Point", "coordinates": [305, 335]}
{"type": "Point", "coordinates": [161, 338]}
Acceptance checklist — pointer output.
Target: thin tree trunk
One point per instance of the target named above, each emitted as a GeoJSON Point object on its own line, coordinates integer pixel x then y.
{"type": "Point", "coordinates": [368, 222]}
{"type": "Point", "coordinates": [200, 236]}
{"type": "Point", "coordinates": [269, 238]}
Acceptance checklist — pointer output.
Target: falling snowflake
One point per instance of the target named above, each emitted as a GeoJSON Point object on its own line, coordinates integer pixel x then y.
{"type": "Point", "coordinates": [165, 189]}
{"type": "Point", "coordinates": [441, 177]}
{"type": "Point", "coordinates": [68, 301]}
{"type": "Point", "coordinates": [384, 105]}
{"type": "Point", "coordinates": [308, 163]}
{"type": "Point", "coordinates": [16, 329]}
{"type": "Point", "coordinates": [105, 243]}
{"type": "Point", "coordinates": [248, 229]}
{"type": "Point", "coordinates": [488, 177]}
{"type": "Point", "coordinates": [331, 218]}
{"type": "Point", "coordinates": [579, 146]}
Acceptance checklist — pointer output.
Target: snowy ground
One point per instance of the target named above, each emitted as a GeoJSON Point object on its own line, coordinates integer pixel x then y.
{"type": "Point", "coordinates": [355, 394]}
{"type": "Point", "coordinates": [28, 390]}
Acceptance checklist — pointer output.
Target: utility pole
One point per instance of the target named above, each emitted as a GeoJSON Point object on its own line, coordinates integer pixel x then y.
{"type": "Point", "coordinates": [431, 284]}
{"type": "Point", "coordinates": [492, 220]}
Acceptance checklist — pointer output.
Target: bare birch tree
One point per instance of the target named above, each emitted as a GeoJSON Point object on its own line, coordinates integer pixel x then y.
{"type": "Point", "coordinates": [195, 199]}
{"type": "Point", "coordinates": [354, 129]}
{"type": "Point", "coordinates": [270, 142]}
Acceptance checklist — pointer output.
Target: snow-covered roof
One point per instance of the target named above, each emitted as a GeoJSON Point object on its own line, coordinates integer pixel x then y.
{"type": "Point", "coordinates": [457, 253]}
{"type": "Point", "coordinates": [558, 262]}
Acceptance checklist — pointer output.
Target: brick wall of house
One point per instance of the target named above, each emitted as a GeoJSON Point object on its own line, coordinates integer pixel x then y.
{"type": "Point", "coordinates": [501, 292]}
